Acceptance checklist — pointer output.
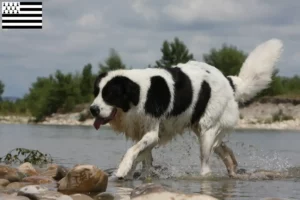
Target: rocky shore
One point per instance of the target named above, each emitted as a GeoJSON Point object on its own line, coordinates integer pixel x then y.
{"type": "Point", "coordinates": [88, 182]}
{"type": "Point", "coordinates": [82, 182]}
{"type": "Point", "coordinates": [258, 115]}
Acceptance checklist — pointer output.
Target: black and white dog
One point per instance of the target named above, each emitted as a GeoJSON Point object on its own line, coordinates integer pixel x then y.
{"type": "Point", "coordinates": [151, 106]}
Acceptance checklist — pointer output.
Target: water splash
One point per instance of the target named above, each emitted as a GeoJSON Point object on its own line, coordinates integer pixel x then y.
{"type": "Point", "coordinates": [180, 158]}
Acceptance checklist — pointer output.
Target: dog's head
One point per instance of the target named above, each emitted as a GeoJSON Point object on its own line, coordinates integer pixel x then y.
{"type": "Point", "coordinates": [112, 92]}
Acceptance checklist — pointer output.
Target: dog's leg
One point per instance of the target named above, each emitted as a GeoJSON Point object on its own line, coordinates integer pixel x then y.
{"type": "Point", "coordinates": [230, 152]}
{"type": "Point", "coordinates": [226, 154]}
{"type": "Point", "coordinates": [149, 140]}
{"type": "Point", "coordinates": [206, 140]}
{"type": "Point", "coordinates": [148, 161]}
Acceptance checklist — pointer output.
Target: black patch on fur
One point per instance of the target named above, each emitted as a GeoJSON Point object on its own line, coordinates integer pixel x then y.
{"type": "Point", "coordinates": [207, 71]}
{"type": "Point", "coordinates": [158, 97]}
{"type": "Point", "coordinates": [202, 101]}
{"type": "Point", "coordinates": [120, 92]}
{"type": "Point", "coordinates": [96, 83]}
{"type": "Point", "coordinates": [183, 92]}
{"type": "Point", "coordinates": [231, 83]}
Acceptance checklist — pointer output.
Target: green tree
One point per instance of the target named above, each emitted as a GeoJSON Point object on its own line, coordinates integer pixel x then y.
{"type": "Point", "coordinates": [228, 59]}
{"type": "Point", "coordinates": [173, 53]}
{"type": "Point", "coordinates": [1, 89]}
{"type": "Point", "coordinates": [57, 93]}
{"type": "Point", "coordinates": [38, 97]}
{"type": "Point", "coordinates": [113, 62]}
{"type": "Point", "coordinates": [86, 83]}
{"type": "Point", "coordinates": [275, 87]}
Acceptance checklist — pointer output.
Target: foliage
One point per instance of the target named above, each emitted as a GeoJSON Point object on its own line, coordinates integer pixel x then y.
{"type": "Point", "coordinates": [173, 53]}
{"type": "Point", "coordinates": [113, 62]}
{"type": "Point", "coordinates": [18, 107]}
{"type": "Point", "coordinates": [275, 87]}
{"type": "Point", "coordinates": [228, 59]}
{"type": "Point", "coordinates": [21, 155]}
{"type": "Point", "coordinates": [48, 95]}
{"type": "Point", "coordinates": [86, 83]}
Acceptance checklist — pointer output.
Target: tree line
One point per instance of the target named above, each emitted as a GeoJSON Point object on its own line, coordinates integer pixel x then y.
{"type": "Point", "coordinates": [63, 92]}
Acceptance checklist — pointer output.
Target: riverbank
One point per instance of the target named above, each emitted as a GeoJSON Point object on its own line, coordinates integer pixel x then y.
{"type": "Point", "coordinates": [258, 115]}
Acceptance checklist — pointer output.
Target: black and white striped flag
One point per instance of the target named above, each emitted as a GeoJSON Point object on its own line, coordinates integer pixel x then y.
{"type": "Point", "coordinates": [22, 15]}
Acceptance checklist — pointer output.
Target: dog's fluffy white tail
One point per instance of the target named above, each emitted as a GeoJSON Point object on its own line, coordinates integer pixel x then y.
{"type": "Point", "coordinates": [256, 72]}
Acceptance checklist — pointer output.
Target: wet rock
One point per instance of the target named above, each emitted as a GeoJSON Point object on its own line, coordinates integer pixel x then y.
{"type": "Point", "coordinates": [61, 172]}
{"type": "Point", "coordinates": [47, 195]}
{"type": "Point", "coordinates": [158, 192]}
{"type": "Point", "coordinates": [64, 197]}
{"type": "Point", "coordinates": [37, 192]}
{"type": "Point", "coordinates": [4, 182]}
{"type": "Point", "coordinates": [104, 196]}
{"type": "Point", "coordinates": [83, 178]}
{"type": "Point", "coordinates": [38, 180]}
{"type": "Point", "coordinates": [2, 188]}
{"type": "Point", "coordinates": [33, 189]}
{"type": "Point", "coordinates": [110, 171]}
{"type": "Point", "coordinates": [80, 197]}
{"type": "Point", "coordinates": [27, 169]}
{"type": "Point", "coordinates": [11, 197]}
{"type": "Point", "coordinates": [57, 172]}
{"type": "Point", "coordinates": [50, 171]}
{"type": "Point", "coordinates": [15, 186]}
{"type": "Point", "coordinates": [9, 173]}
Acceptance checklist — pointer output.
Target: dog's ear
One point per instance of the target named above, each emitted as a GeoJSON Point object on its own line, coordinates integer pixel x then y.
{"type": "Point", "coordinates": [132, 91]}
{"type": "Point", "coordinates": [121, 92]}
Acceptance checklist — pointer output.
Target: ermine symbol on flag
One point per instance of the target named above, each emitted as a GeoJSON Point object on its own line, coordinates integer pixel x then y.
{"type": "Point", "coordinates": [22, 15]}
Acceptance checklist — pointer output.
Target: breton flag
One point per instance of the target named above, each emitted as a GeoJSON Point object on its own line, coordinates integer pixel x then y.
{"type": "Point", "coordinates": [22, 15]}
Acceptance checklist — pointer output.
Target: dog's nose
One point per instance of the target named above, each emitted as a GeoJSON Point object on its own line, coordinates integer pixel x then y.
{"type": "Point", "coordinates": [95, 110]}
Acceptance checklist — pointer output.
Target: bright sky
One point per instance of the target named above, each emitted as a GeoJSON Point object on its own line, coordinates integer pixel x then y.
{"type": "Point", "coordinates": [76, 32]}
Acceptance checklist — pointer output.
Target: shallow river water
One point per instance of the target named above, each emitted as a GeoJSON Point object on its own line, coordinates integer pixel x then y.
{"type": "Point", "coordinates": [254, 149]}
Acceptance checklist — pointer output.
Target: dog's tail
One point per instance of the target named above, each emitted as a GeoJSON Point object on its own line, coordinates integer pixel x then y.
{"type": "Point", "coordinates": [256, 72]}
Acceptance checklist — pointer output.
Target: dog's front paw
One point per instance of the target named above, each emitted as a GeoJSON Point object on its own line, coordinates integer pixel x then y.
{"type": "Point", "coordinates": [125, 166]}
{"type": "Point", "coordinates": [123, 170]}
{"type": "Point", "coordinates": [122, 173]}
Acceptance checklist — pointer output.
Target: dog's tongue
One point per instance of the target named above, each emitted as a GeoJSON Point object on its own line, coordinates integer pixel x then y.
{"type": "Point", "coordinates": [97, 123]}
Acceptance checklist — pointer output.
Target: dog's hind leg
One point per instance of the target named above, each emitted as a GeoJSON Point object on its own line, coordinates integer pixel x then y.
{"type": "Point", "coordinates": [228, 158]}
{"type": "Point", "coordinates": [148, 161]}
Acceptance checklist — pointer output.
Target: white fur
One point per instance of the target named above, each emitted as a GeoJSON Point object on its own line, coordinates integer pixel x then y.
{"type": "Point", "coordinates": [256, 72]}
{"type": "Point", "coordinates": [221, 113]}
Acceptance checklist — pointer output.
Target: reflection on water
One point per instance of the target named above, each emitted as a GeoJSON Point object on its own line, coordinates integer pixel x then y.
{"type": "Point", "coordinates": [269, 150]}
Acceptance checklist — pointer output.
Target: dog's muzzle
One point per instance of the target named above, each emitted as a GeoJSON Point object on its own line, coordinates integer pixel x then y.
{"type": "Point", "coordinates": [95, 111]}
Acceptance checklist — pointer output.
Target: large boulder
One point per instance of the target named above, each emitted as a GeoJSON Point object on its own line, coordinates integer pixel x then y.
{"type": "Point", "coordinates": [37, 192]}
{"type": "Point", "coordinates": [81, 197]}
{"type": "Point", "coordinates": [104, 196]}
{"type": "Point", "coordinates": [10, 174]}
{"type": "Point", "coordinates": [11, 197]}
{"type": "Point", "coordinates": [158, 192]}
{"type": "Point", "coordinates": [15, 186]}
{"type": "Point", "coordinates": [27, 169]}
{"type": "Point", "coordinates": [38, 180]}
{"type": "Point", "coordinates": [83, 178]}
{"type": "Point", "coordinates": [4, 182]}
{"type": "Point", "coordinates": [33, 189]}
{"type": "Point", "coordinates": [57, 172]}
